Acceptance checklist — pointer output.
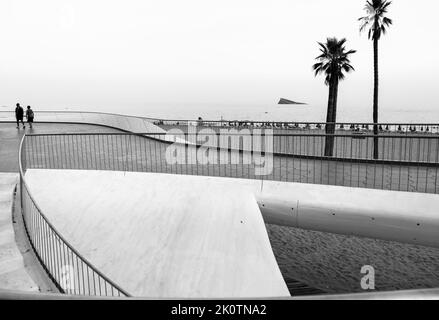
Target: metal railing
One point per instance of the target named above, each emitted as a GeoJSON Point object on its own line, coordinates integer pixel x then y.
{"type": "Point", "coordinates": [67, 268]}
{"type": "Point", "coordinates": [409, 163]}
{"type": "Point", "coordinates": [133, 123]}
{"type": "Point", "coordinates": [415, 149]}
{"type": "Point", "coordinates": [310, 127]}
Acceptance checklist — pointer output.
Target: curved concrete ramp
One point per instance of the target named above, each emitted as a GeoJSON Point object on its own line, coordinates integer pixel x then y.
{"type": "Point", "coordinates": [159, 235]}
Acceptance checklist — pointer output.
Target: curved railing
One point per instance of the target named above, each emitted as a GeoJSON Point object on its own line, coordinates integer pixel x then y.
{"type": "Point", "coordinates": [66, 267]}
{"type": "Point", "coordinates": [407, 166]}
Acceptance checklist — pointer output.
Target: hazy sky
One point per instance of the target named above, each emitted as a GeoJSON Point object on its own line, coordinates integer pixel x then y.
{"type": "Point", "coordinates": [107, 54]}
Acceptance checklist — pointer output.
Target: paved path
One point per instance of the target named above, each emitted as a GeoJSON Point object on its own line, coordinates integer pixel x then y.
{"type": "Point", "coordinates": [13, 274]}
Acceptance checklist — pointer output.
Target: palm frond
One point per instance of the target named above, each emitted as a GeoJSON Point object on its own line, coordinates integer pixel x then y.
{"type": "Point", "coordinates": [334, 59]}
{"type": "Point", "coordinates": [375, 20]}
{"type": "Point", "coordinates": [387, 21]}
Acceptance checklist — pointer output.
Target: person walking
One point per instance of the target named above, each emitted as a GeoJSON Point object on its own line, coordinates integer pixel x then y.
{"type": "Point", "coordinates": [30, 116]}
{"type": "Point", "coordinates": [19, 112]}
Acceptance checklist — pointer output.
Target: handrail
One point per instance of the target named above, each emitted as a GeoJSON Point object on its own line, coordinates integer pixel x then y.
{"type": "Point", "coordinates": [184, 141]}
{"type": "Point", "coordinates": [25, 190]}
{"type": "Point", "coordinates": [281, 154]}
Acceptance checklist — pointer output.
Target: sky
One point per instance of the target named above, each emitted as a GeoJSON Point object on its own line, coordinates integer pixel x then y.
{"type": "Point", "coordinates": [133, 55]}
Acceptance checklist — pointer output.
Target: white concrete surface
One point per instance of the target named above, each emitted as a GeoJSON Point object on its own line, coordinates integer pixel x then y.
{"type": "Point", "coordinates": [159, 235]}
{"type": "Point", "coordinates": [390, 215]}
{"type": "Point", "coordinates": [13, 274]}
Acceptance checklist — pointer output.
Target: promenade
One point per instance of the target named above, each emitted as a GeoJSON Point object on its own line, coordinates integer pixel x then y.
{"type": "Point", "coordinates": [326, 261]}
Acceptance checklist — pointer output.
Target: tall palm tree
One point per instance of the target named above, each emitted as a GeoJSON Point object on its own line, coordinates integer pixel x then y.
{"type": "Point", "coordinates": [376, 22]}
{"type": "Point", "coordinates": [333, 62]}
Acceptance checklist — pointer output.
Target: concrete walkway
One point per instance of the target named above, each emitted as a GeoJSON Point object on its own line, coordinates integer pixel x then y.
{"type": "Point", "coordinates": [13, 274]}
{"type": "Point", "coordinates": [322, 260]}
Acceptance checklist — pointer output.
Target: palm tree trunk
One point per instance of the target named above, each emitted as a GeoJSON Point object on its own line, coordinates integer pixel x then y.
{"type": "Point", "coordinates": [329, 128]}
{"type": "Point", "coordinates": [375, 99]}
{"type": "Point", "coordinates": [334, 112]}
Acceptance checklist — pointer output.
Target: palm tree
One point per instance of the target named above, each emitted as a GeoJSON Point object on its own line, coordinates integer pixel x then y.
{"type": "Point", "coordinates": [333, 62]}
{"type": "Point", "coordinates": [376, 22]}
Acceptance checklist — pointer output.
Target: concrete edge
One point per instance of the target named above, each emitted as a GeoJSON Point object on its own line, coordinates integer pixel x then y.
{"type": "Point", "coordinates": [30, 261]}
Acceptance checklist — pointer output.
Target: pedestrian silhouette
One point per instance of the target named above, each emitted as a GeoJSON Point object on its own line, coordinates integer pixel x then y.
{"type": "Point", "coordinates": [19, 112]}
{"type": "Point", "coordinates": [30, 116]}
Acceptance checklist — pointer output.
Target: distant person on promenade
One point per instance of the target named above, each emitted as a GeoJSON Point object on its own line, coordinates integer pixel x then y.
{"type": "Point", "coordinates": [30, 116]}
{"type": "Point", "coordinates": [19, 112]}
